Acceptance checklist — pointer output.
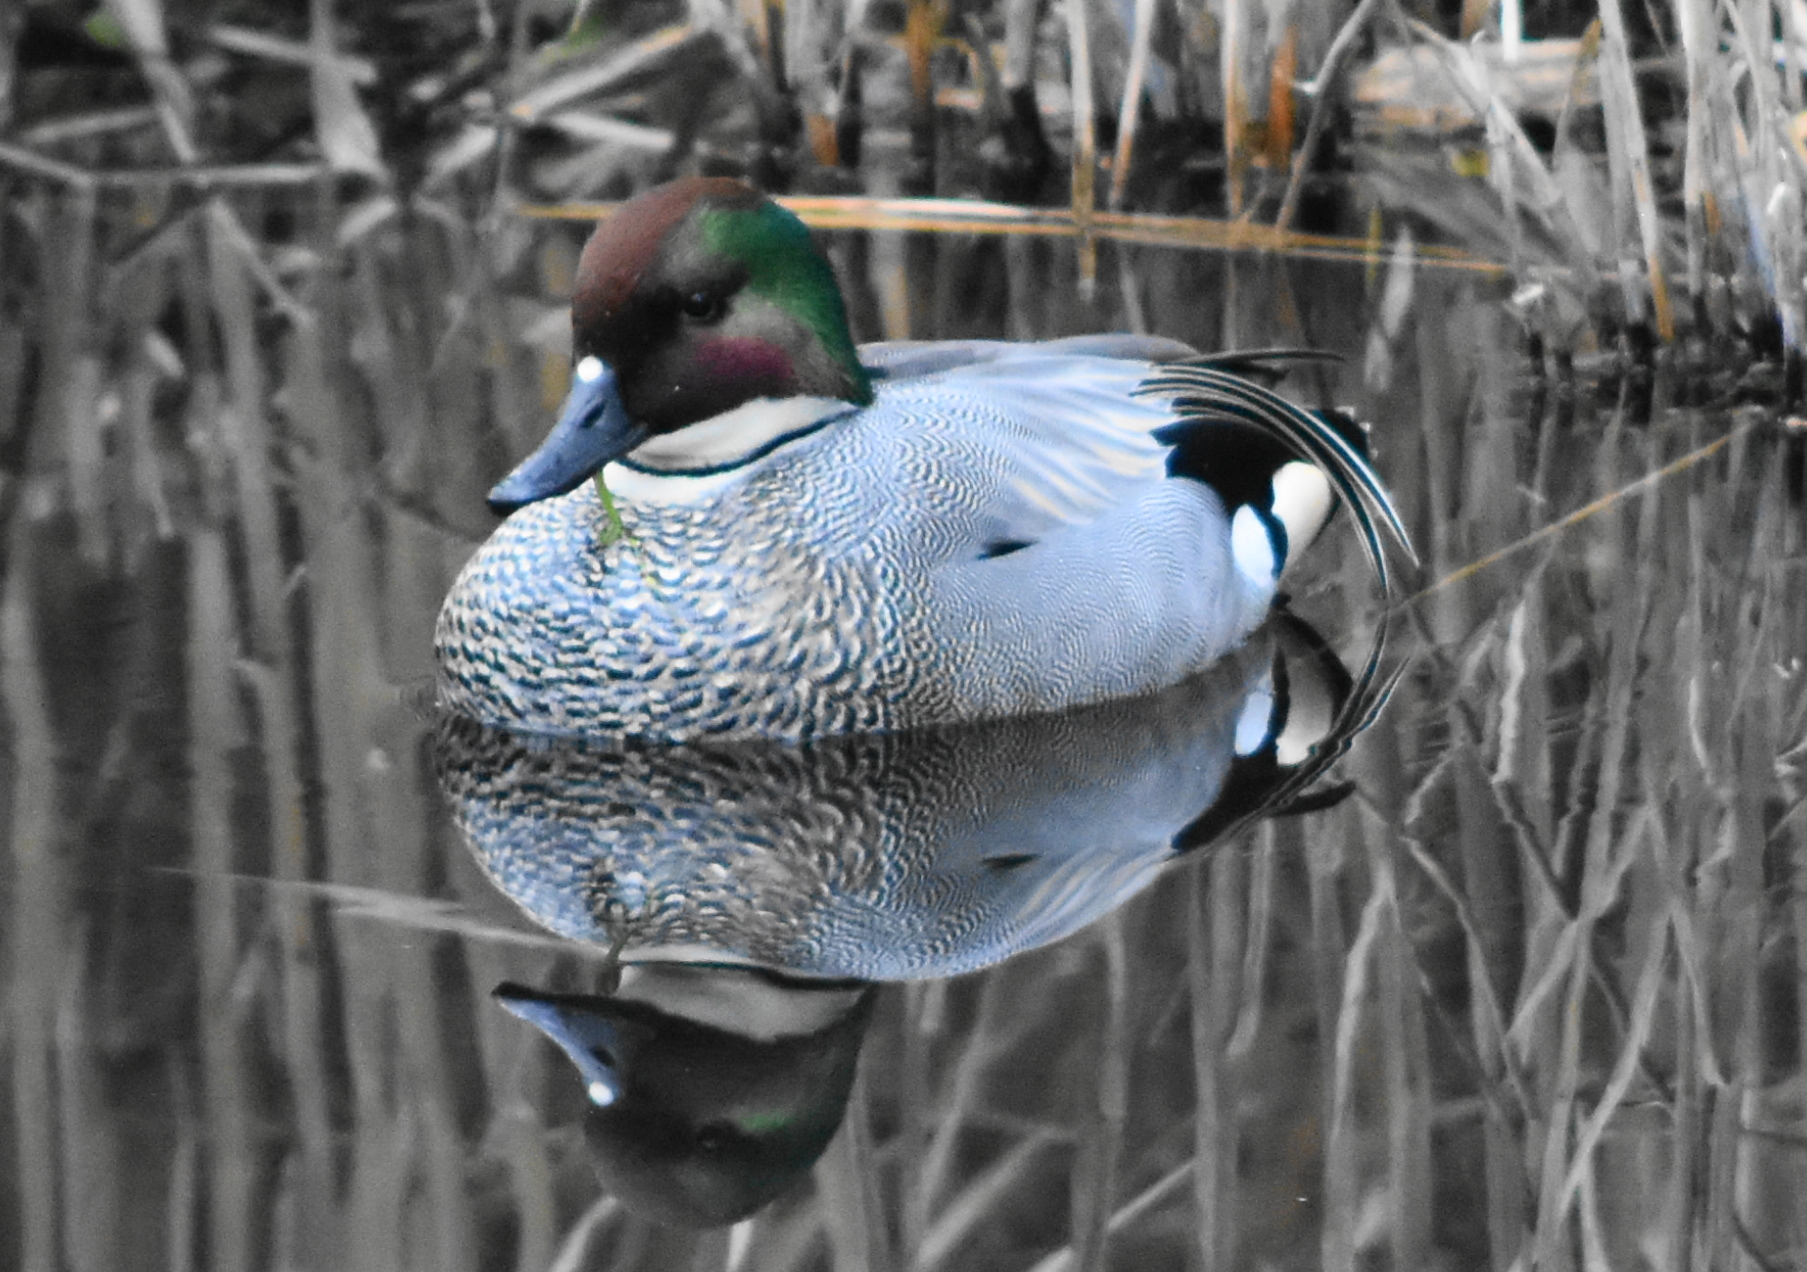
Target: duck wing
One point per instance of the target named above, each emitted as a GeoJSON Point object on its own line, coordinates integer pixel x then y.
{"type": "Point", "coordinates": [1089, 516]}
{"type": "Point", "coordinates": [1015, 441]}
{"type": "Point", "coordinates": [1035, 437]}
{"type": "Point", "coordinates": [893, 360]}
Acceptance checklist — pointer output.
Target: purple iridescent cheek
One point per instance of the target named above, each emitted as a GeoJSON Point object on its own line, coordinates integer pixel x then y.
{"type": "Point", "coordinates": [744, 359]}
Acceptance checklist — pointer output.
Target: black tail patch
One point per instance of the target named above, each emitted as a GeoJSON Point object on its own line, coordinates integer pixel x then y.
{"type": "Point", "coordinates": [1207, 395]}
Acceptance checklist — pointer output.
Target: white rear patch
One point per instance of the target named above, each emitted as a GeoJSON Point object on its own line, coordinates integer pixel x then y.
{"type": "Point", "coordinates": [1252, 548]}
{"type": "Point", "coordinates": [1302, 503]}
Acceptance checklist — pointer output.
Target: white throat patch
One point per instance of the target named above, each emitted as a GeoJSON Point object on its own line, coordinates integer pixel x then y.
{"type": "Point", "coordinates": [733, 437]}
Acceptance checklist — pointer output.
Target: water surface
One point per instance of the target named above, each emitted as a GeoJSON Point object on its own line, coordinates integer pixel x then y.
{"type": "Point", "coordinates": [1530, 995]}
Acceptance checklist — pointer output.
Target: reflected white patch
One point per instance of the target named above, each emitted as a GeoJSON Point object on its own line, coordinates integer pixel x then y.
{"type": "Point", "coordinates": [1310, 711]}
{"type": "Point", "coordinates": [589, 370]}
{"type": "Point", "coordinates": [1254, 725]}
{"type": "Point", "coordinates": [601, 1094]}
{"type": "Point", "coordinates": [732, 999]}
{"type": "Point", "coordinates": [1252, 548]}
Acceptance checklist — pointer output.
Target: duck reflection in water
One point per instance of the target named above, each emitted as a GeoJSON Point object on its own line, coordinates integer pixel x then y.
{"type": "Point", "coordinates": [753, 894]}
{"type": "Point", "coordinates": [712, 1089]}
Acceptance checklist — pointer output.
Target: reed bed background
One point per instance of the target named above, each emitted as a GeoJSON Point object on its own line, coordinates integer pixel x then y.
{"type": "Point", "coordinates": [272, 319]}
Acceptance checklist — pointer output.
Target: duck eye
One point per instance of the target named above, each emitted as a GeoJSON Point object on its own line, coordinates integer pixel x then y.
{"type": "Point", "coordinates": [713, 1137]}
{"type": "Point", "coordinates": [704, 306]}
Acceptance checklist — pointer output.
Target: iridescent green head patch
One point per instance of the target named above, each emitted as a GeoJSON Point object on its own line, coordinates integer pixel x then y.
{"type": "Point", "coordinates": [784, 268]}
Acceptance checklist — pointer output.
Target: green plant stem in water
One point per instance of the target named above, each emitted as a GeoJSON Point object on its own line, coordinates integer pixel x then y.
{"type": "Point", "coordinates": [615, 529]}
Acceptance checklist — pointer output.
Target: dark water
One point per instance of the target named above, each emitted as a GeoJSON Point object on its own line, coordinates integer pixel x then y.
{"type": "Point", "coordinates": [1529, 994]}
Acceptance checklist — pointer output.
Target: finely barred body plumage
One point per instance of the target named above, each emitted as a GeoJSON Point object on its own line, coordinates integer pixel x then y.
{"type": "Point", "coordinates": [876, 857]}
{"type": "Point", "coordinates": [998, 533]}
{"type": "Point", "coordinates": [821, 539]}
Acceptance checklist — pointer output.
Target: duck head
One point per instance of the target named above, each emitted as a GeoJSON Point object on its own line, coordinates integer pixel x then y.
{"type": "Point", "coordinates": [694, 301]}
{"type": "Point", "coordinates": [710, 1090]}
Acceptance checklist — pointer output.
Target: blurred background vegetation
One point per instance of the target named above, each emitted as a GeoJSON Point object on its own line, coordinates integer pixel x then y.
{"type": "Point", "coordinates": [1635, 167]}
{"type": "Point", "coordinates": [283, 289]}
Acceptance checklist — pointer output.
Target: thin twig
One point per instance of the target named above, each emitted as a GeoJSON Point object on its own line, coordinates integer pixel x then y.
{"type": "Point", "coordinates": [1582, 513]}
{"type": "Point", "coordinates": [972, 216]}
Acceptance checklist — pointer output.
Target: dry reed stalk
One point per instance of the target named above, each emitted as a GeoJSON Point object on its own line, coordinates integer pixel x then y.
{"type": "Point", "coordinates": [596, 77]}
{"type": "Point", "coordinates": [1323, 86]}
{"type": "Point", "coordinates": [1213, 948]}
{"type": "Point", "coordinates": [968, 216]}
{"type": "Point", "coordinates": [1500, 1074]}
{"type": "Point", "coordinates": [573, 1253]}
{"type": "Point", "coordinates": [923, 21]}
{"type": "Point", "coordinates": [1767, 174]}
{"type": "Point", "coordinates": [756, 19]}
{"type": "Point", "coordinates": [67, 411]}
{"type": "Point", "coordinates": [1095, 1165]}
{"type": "Point", "coordinates": [890, 274]}
{"type": "Point", "coordinates": [1409, 1097]}
{"type": "Point", "coordinates": [12, 23]}
{"type": "Point", "coordinates": [1134, 84]}
{"type": "Point", "coordinates": [403, 592]}
{"type": "Point", "coordinates": [1627, 143]}
{"type": "Point", "coordinates": [1343, 1173]}
{"type": "Point", "coordinates": [1516, 170]}
{"type": "Point", "coordinates": [245, 430]}
{"type": "Point", "coordinates": [37, 913]}
{"type": "Point", "coordinates": [142, 23]}
{"type": "Point", "coordinates": [383, 998]}
{"type": "Point", "coordinates": [1085, 143]}
{"type": "Point", "coordinates": [89, 1139]}
{"type": "Point", "coordinates": [815, 42]}
{"type": "Point", "coordinates": [1405, 1066]}
{"type": "Point", "coordinates": [976, 1202]}
{"type": "Point", "coordinates": [157, 179]}
{"type": "Point", "coordinates": [182, 1202]}
{"type": "Point", "coordinates": [1592, 508]}
{"type": "Point", "coordinates": [142, 378]}
{"type": "Point", "coordinates": [1608, 854]}
{"type": "Point", "coordinates": [1017, 76]}
{"type": "Point", "coordinates": [1235, 52]}
{"type": "Point", "coordinates": [924, 1008]}
{"type": "Point", "coordinates": [1251, 991]}
{"type": "Point", "coordinates": [846, 1182]}
{"type": "Point", "coordinates": [359, 71]}
{"type": "Point", "coordinates": [782, 1242]}
{"type": "Point", "coordinates": [1130, 291]}
{"type": "Point", "coordinates": [225, 1093]}
{"type": "Point", "coordinates": [1282, 71]}
{"type": "Point", "coordinates": [344, 131]}
{"type": "Point", "coordinates": [1156, 1194]}
{"type": "Point", "coordinates": [1696, 27]}
{"type": "Point", "coordinates": [13, 347]}
{"type": "Point", "coordinates": [960, 1093]}
{"type": "Point", "coordinates": [922, 32]}
{"type": "Point", "coordinates": [36, 165]}
{"type": "Point", "coordinates": [88, 124]}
